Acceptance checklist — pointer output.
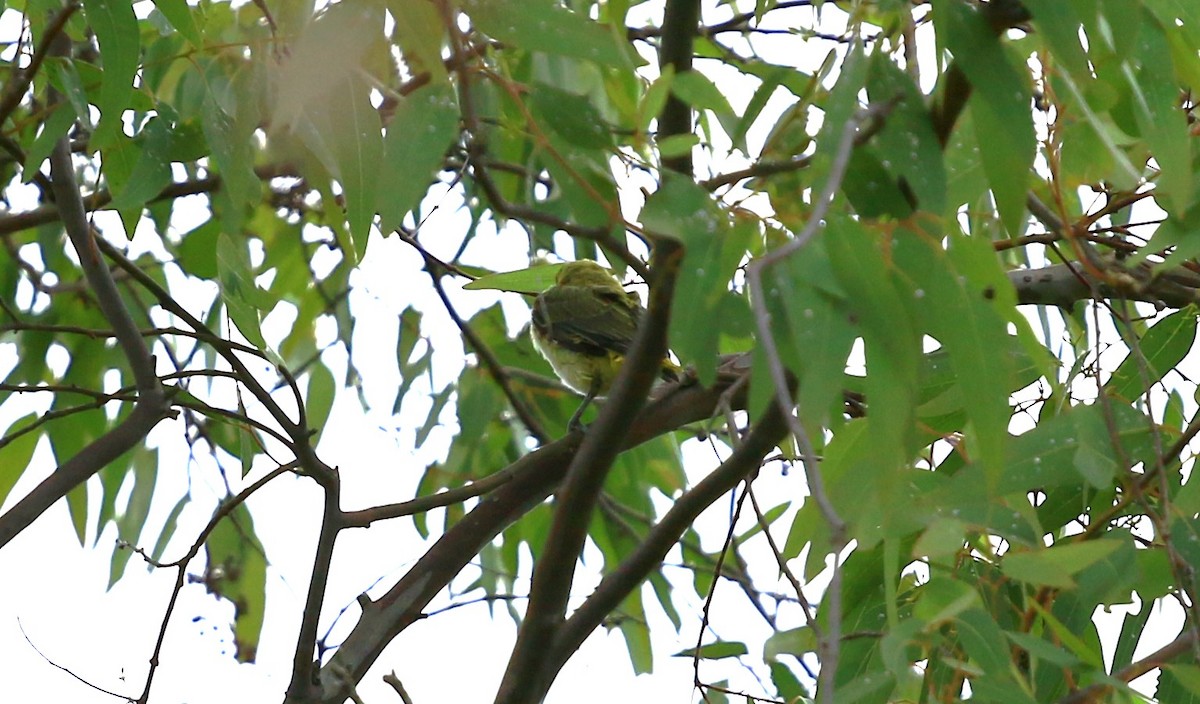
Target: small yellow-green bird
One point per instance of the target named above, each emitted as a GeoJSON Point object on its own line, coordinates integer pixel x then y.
{"type": "Point", "coordinates": [583, 325]}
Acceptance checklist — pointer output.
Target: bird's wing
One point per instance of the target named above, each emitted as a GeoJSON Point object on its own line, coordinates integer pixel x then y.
{"type": "Point", "coordinates": [585, 320]}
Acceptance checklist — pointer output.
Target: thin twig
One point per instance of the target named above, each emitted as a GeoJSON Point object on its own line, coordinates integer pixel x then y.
{"type": "Point", "coordinates": [14, 91]}
{"type": "Point", "coordinates": [181, 564]}
{"type": "Point", "coordinates": [829, 644]}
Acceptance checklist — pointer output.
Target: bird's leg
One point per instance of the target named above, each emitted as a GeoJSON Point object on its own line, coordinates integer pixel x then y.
{"type": "Point", "coordinates": [574, 424]}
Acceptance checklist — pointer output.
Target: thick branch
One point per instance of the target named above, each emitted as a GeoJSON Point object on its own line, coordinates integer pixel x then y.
{"type": "Point", "coordinates": [1064, 284]}
{"type": "Point", "coordinates": [533, 478]}
{"type": "Point", "coordinates": [681, 19]}
{"type": "Point", "coordinates": [648, 556]}
{"type": "Point", "coordinates": [956, 88]}
{"type": "Point", "coordinates": [1151, 662]}
{"type": "Point", "coordinates": [555, 569]}
{"type": "Point", "coordinates": [303, 682]}
{"type": "Point", "coordinates": [152, 403]}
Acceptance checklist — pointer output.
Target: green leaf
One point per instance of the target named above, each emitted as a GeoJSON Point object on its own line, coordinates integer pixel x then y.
{"type": "Point", "coordinates": [1162, 348]}
{"type": "Point", "coordinates": [89, 361]}
{"type": "Point", "coordinates": [328, 53]}
{"type": "Point", "coordinates": [129, 526]}
{"type": "Point", "coordinates": [715, 651]}
{"type": "Point", "coordinates": [1085, 646]}
{"type": "Point", "coordinates": [533, 280]}
{"type": "Point", "coordinates": [1123, 173]}
{"type": "Point", "coordinates": [243, 299]}
{"type": "Point", "coordinates": [907, 144]}
{"type": "Point", "coordinates": [787, 685]}
{"type": "Point", "coordinates": [180, 16]}
{"type": "Point", "coordinates": [16, 452]}
{"type": "Point", "coordinates": [1055, 565]}
{"type": "Point", "coordinates": [1094, 464]}
{"type": "Point", "coordinates": [116, 30]}
{"type": "Point", "coordinates": [1155, 96]}
{"type": "Point", "coordinates": [1181, 678]}
{"type": "Point", "coordinates": [984, 641]}
{"type": "Point", "coordinates": [1185, 538]}
{"type": "Point", "coordinates": [197, 253]}
{"type": "Point", "coordinates": [633, 627]}
{"type": "Point", "coordinates": [420, 34]}
{"type": "Point", "coordinates": [695, 89]}
{"type": "Point", "coordinates": [357, 144]}
{"type": "Point", "coordinates": [229, 134]}
{"type": "Point", "coordinates": [547, 26]}
{"type": "Point", "coordinates": [872, 189]}
{"type": "Point", "coordinates": [572, 116]}
{"type": "Point", "coordinates": [168, 530]}
{"type": "Point", "coordinates": [966, 181]}
{"type": "Point", "coordinates": [64, 75]}
{"type": "Point", "coordinates": [434, 417]}
{"type": "Point", "coordinates": [893, 346]}
{"type": "Point", "coordinates": [655, 98]}
{"type": "Point", "coordinates": [318, 402]}
{"type": "Point", "coordinates": [151, 171]}
{"type": "Point", "coordinates": [409, 163]}
{"type": "Point", "coordinates": [712, 251]}
{"type": "Point", "coordinates": [942, 599]}
{"type": "Point", "coordinates": [1042, 649]}
{"type": "Point", "coordinates": [1000, 107]}
{"type": "Point", "coordinates": [237, 571]}
{"type": "Point", "coordinates": [1057, 22]}
{"type": "Point", "coordinates": [55, 126]}
{"type": "Point", "coordinates": [943, 537]}
{"type": "Point", "coordinates": [811, 321]}
{"type": "Point", "coordinates": [795, 642]}
{"type": "Point", "coordinates": [960, 313]}
{"type": "Point", "coordinates": [120, 157]}
{"type": "Point", "coordinates": [1043, 458]}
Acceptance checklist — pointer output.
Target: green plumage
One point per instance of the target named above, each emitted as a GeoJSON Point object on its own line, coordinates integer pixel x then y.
{"type": "Point", "coordinates": [583, 325]}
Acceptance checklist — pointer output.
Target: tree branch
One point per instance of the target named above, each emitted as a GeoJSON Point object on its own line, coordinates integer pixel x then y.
{"type": "Point", "coordinates": [555, 569]}
{"type": "Point", "coordinates": [181, 564]}
{"type": "Point", "coordinates": [14, 91]}
{"type": "Point", "coordinates": [680, 22]}
{"type": "Point", "coordinates": [15, 222]}
{"type": "Point", "coordinates": [303, 683]}
{"type": "Point", "coordinates": [151, 406]}
{"type": "Point", "coordinates": [534, 477]}
{"type": "Point", "coordinates": [649, 554]}
{"type": "Point", "coordinates": [1149, 663]}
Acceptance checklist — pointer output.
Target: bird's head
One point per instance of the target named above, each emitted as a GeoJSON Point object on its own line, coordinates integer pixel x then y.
{"type": "Point", "coordinates": [586, 272]}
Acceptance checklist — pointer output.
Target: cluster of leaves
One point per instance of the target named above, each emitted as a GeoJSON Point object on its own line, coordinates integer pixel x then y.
{"type": "Point", "coordinates": [865, 269]}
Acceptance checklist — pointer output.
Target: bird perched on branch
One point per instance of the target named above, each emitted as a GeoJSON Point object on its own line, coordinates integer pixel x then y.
{"type": "Point", "coordinates": [583, 325]}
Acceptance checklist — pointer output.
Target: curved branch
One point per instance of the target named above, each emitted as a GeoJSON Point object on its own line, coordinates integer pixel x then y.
{"type": "Point", "coordinates": [555, 568]}
{"type": "Point", "coordinates": [1151, 662]}
{"type": "Point", "coordinates": [303, 662]}
{"type": "Point", "coordinates": [534, 477]}
{"type": "Point", "coordinates": [648, 556]}
{"type": "Point", "coordinates": [181, 564]}
{"type": "Point", "coordinates": [435, 267]}
{"type": "Point", "coordinates": [152, 405]}
{"type": "Point", "coordinates": [15, 90]}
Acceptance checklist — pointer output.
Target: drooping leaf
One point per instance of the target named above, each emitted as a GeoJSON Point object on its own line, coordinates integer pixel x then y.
{"type": "Point", "coordinates": [117, 33]}
{"type": "Point", "coordinates": [237, 571]}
